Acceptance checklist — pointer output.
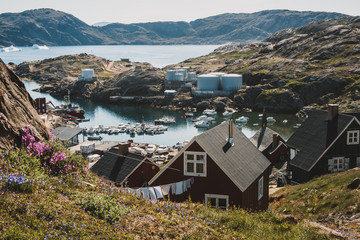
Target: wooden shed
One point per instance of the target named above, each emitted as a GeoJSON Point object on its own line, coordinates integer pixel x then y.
{"type": "Point", "coordinates": [226, 167]}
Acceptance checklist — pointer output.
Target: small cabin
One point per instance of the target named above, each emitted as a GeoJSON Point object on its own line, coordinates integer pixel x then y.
{"type": "Point", "coordinates": [225, 168]}
{"type": "Point", "coordinates": [327, 141]}
{"type": "Point", "coordinates": [125, 169]}
{"type": "Point", "coordinates": [69, 136]}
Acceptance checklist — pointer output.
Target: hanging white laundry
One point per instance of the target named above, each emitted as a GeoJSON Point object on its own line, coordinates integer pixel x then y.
{"type": "Point", "coordinates": [179, 188]}
{"type": "Point", "coordinates": [158, 192]}
{"type": "Point", "coordinates": [165, 189]}
{"type": "Point", "coordinates": [188, 183]}
{"type": "Point", "coordinates": [132, 191]}
{"type": "Point", "coordinates": [173, 188]}
{"type": "Point", "coordinates": [152, 193]}
{"type": "Point", "coordinates": [138, 192]}
{"type": "Point", "coordinates": [145, 192]}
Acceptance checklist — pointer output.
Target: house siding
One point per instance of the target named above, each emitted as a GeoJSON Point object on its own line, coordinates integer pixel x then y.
{"type": "Point", "coordinates": [142, 175]}
{"type": "Point", "coordinates": [299, 175]}
{"type": "Point", "coordinates": [215, 182]}
{"type": "Point", "coordinates": [338, 149]}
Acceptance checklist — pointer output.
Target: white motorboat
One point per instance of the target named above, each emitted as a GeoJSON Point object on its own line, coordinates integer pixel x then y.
{"type": "Point", "coordinates": [202, 124]}
{"type": "Point", "coordinates": [270, 120]}
{"type": "Point", "coordinates": [38, 47]}
{"type": "Point", "coordinates": [209, 112]}
{"type": "Point", "coordinates": [10, 49]}
{"type": "Point", "coordinates": [151, 148]}
{"type": "Point", "coordinates": [242, 120]}
{"type": "Point", "coordinates": [189, 114]}
{"type": "Point", "coordinates": [227, 114]}
{"type": "Point", "coordinates": [162, 149]}
{"type": "Point", "coordinates": [165, 120]}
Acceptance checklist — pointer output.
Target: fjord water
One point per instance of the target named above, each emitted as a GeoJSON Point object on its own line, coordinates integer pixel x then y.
{"type": "Point", "coordinates": [158, 55]}
{"type": "Point", "coordinates": [113, 114]}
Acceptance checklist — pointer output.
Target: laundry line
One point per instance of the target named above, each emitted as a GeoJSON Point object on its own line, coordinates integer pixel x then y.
{"type": "Point", "coordinates": [159, 192]}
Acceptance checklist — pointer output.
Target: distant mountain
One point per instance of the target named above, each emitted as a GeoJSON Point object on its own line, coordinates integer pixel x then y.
{"type": "Point", "coordinates": [101, 24]}
{"type": "Point", "coordinates": [51, 27]}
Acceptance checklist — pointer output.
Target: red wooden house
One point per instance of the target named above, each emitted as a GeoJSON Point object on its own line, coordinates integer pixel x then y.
{"type": "Point", "coordinates": [124, 168]}
{"type": "Point", "coordinates": [271, 144]}
{"type": "Point", "coordinates": [226, 167]}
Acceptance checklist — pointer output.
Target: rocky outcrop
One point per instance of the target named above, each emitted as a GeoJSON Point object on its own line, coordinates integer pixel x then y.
{"type": "Point", "coordinates": [16, 110]}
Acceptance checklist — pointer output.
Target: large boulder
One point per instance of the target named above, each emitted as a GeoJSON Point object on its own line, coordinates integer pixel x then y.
{"type": "Point", "coordinates": [16, 110]}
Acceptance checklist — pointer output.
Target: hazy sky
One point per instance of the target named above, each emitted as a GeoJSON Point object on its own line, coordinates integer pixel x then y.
{"type": "Point", "coordinates": [131, 11]}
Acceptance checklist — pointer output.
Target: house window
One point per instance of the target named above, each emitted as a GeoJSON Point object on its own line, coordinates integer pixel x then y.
{"type": "Point", "coordinates": [338, 164]}
{"type": "Point", "coordinates": [195, 164]}
{"type": "Point", "coordinates": [353, 137]}
{"type": "Point", "coordinates": [292, 153]}
{"type": "Point", "coordinates": [217, 201]}
{"type": "Point", "coordinates": [260, 188]}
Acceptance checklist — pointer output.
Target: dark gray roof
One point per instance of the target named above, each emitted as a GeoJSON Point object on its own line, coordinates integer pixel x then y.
{"type": "Point", "coordinates": [266, 140]}
{"type": "Point", "coordinates": [242, 162]}
{"type": "Point", "coordinates": [66, 133]}
{"type": "Point", "coordinates": [311, 138]}
{"type": "Point", "coordinates": [117, 167]}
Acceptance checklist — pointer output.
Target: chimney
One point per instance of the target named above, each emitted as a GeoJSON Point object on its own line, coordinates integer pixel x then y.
{"type": "Point", "coordinates": [333, 110]}
{"type": "Point", "coordinates": [230, 131]}
{"type": "Point", "coordinates": [123, 148]}
{"type": "Point", "coordinates": [275, 141]}
{"type": "Point", "coordinates": [332, 123]}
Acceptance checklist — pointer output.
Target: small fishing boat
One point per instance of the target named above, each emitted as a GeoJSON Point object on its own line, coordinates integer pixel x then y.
{"type": "Point", "coordinates": [209, 112]}
{"type": "Point", "coordinates": [94, 138]}
{"type": "Point", "coordinates": [151, 148]}
{"type": "Point", "coordinates": [189, 114]}
{"type": "Point", "coordinates": [270, 119]}
{"type": "Point", "coordinates": [227, 114]}
{"type": "Point", "coordinates": [202, 124]}
{"type": "Point", "coordinates": [242, 120]}
{"type": "Point", "coordinates": [165, 120]}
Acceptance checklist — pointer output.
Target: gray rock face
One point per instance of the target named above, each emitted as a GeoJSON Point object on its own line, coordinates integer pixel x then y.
{"type": "Point", "coordinates": [354, 184]}
{"type": "Point", "coordinates": [16, 110]}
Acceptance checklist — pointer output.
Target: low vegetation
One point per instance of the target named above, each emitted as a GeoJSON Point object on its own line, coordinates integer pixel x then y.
{"type": "Point", "coordinates": [46, 192]}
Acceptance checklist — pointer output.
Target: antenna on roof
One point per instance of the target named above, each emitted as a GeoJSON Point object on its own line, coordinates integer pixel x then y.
{"type": "Point", "coordinates": [230, 131]}
{"type": "Point", "coordinates": [263, 127]}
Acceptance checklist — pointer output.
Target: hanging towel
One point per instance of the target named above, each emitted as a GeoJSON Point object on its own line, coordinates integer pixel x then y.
{"type": "Point", "coordinates": [192, 180]}
{"type": "Point", "coordinates": [126, 190]}
{"type": "Point", "coordinates": [165, 189]}
{"type": "Point", "coordinates": [173, 188]}
{"type": "Point", "coordinates": [152, 193]}
{"type": "Point", "coordinates": [179, 188]}
{"type": "Point", "coordinates": [184, 186]}
{"type": "Point", "coordinates": [132, 191]}
{"type": "Point", "coordinates": [158, 192]}
{"type": "Point", "coordinates": [188, 184]}
{"type": "Point", "coordinates": [145, 192]}
{"type": "Point", "coordinates": [138, 192]}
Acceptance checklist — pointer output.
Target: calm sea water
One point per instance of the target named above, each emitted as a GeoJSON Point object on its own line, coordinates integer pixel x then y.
{"type": "Point", "coordinates": [158, 55]}
{"type": "Point", "coordinates": [113, 114]}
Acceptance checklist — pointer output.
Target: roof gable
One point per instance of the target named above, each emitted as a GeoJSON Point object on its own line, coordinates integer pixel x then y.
{"type": "Point", "coordinates": [240, 161]}
{"type": "Point", "coordinates": [65, 133]}
{"type": "Point", "coordinates": [117, 167]}
{"type": "Point", "coordinates": [312, 139]}
{"type": "Point", "coordinates": [266, 140]}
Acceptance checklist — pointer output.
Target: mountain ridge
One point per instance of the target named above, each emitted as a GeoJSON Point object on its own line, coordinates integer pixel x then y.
{"type": "Point", "coordinates": [52, 27]}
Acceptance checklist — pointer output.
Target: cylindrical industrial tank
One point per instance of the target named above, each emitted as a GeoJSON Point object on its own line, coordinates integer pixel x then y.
{"type": "Point", "coordinates": [188, 85]}
{"type": "Point", "coordinates": [87, 73]}
{"type": "Point", "coordinates": [192, 75]}
{"type": "Point", "coordinates": [208, 82]}
{"type": "Point", "coordinates": [217, 73]}
{"type": "Point", "coordinates": [170, 75]}
{"type": "Point", "coordinates": [231, 82]}
{"type": "Point", "coordinates": [179, 76]}
{"type": "Point", "coordinates": [183, 72]}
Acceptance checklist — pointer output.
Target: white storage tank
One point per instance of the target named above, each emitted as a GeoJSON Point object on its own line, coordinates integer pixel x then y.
{"type": "Point", "coordinates": [208, 82]}
{"type": "Point", "coordinates": [219, 74]}
{"type": "Point", "coordinates": [87, 73]}
{"type": "Point", "coordinates": [183, 72]}
{"type": "Point", "coordinates": [179, 76]}
{"type": "Point", "coordinates": [231, 82]}
{"type": "Point", "coordinates": [170, 75]}
{"type": "Point", "coordinates": [192, 75]}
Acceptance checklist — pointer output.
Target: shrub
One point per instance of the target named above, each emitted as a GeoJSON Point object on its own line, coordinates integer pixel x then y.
{"type": "Point", "coordinates": [20, 183]}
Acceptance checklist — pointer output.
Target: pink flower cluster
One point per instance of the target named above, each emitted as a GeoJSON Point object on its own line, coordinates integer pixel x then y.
{"type": "Point", "coordinates": [51, 160]}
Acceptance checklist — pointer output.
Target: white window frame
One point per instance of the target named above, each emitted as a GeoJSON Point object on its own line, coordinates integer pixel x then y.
{"type": "Point", "coordinates": [352, 137]}
{"type": "Point", "coordinates": [261, 188]}
{"type": "Point", "coordinates": [195, 162]}
{"type": "Point", "coordinates": [341, 164]}
{"type": "Point", "coordinates": [217, 197]}
{"type": "Point", "coordinates": [293, 153]}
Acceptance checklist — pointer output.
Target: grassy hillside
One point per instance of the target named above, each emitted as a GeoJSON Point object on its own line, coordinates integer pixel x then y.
{"type": "Point", "coordinates": [326, 200]}
{"type": "Point", "coordinates": [46, 192]}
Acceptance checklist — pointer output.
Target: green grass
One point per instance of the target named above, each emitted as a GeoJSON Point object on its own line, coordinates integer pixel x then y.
{"type": "Point", "coordinates": [80, 205]}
